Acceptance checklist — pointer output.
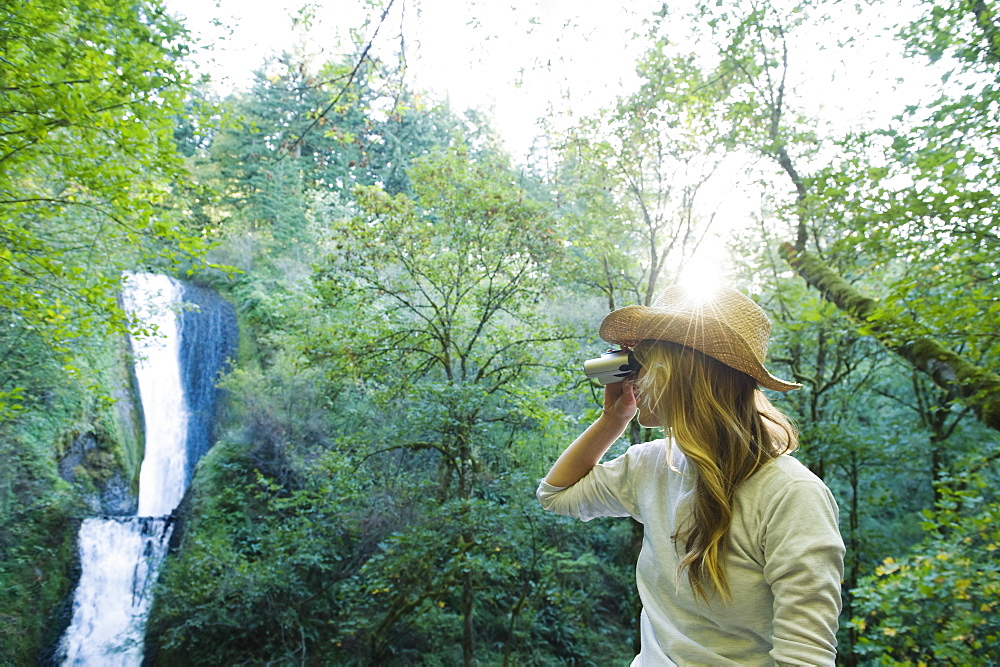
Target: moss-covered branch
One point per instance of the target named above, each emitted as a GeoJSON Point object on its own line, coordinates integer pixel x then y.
{"type": "Point", "coordinates": [977, 387]}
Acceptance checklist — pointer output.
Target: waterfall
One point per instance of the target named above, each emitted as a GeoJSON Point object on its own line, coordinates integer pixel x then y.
{"type": "Point", "coordinates": [120, 556]}
{"type": "Point", "coordinates": [163, 475]}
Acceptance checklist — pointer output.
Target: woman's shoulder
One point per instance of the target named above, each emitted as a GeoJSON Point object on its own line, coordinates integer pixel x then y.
{"type": "Point", "coordinates": [790, 467]}
{"type": "Point", "coordinates": [654, 449]}
{"type": "Point", "coordinates": [782, 471]}
{"type": "Point", "coordinates": [647, 457]}
{"type": "Point", "coordinates": [648, 447]}
{"type": "Point", "coordinates": [785, 487]}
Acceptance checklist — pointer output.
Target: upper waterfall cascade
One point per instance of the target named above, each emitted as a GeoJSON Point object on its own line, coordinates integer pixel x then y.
{"type": "Point", "coordinates": [120, 556]}
{"type": "Point", "coordinates": [162, 477]}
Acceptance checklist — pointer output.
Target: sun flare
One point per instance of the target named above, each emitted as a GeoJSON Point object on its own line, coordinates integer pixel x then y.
{"type": "Point", "coordinates": [701, 278]}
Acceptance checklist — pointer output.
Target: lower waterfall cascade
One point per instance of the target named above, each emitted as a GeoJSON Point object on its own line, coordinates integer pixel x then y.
{"type": "Point", "coordinates": [120, 555]}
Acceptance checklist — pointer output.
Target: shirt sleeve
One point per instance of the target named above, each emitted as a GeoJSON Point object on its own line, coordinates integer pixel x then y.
{"type": "Point", "coordinates": [804, 566]}
{"type": "Point", "coordinates": [607, 490]}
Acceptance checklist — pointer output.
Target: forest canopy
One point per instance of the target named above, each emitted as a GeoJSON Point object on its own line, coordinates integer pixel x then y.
{"type": "Point", "coordinates": [415, 303]}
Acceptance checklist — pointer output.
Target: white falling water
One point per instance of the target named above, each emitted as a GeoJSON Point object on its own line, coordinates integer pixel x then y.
{"type": "Point", "coordinates": [112, 599]}
{"type": "Point", "coordinates": [119, 557]}
{"type": "Point", "coordinates": [163, 475]}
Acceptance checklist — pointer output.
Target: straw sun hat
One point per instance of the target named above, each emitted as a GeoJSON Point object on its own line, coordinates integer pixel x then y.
{"type": "Point", "coordinates": [725, 325]}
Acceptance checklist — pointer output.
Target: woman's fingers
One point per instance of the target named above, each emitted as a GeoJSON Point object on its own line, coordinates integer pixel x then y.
{"type": "Point", "coordinates": [612, 392]}
{"type": "Point", "coordinates": [619, 399]}
{"type": "Point", "coordinates": [628, 398]}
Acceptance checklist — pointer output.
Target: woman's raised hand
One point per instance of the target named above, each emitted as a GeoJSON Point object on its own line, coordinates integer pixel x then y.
{"type": "Point", "coordinates": [584, 452]}
{"type": "Point", "coordinates": [620, 401]}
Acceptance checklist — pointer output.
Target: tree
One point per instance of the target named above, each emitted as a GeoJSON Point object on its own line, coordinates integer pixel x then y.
{"type": "Point", "coordinates": [978, 387]}
{"type": "Point", "coordinates": [633, 176]}
{"type": "Point", "coordinates": [87, 162]}
{"type": "Point", "coordinates": [906, 207]}
{"type": "Point", "coordinates": [443, 292]}
{"type": "Point", "coordinates": [296, 143]}
{"type": "Point", "coordinates": [916, 198]}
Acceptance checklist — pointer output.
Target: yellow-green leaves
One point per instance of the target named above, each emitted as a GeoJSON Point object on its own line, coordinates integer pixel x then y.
{"type": "Point", "coordinates": [88, 95]}
{"type": "Point", "coordinates": [936, 605]}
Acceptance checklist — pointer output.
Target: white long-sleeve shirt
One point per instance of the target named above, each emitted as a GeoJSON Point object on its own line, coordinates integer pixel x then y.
{"type": "Point", "coordinates": [785, 562]}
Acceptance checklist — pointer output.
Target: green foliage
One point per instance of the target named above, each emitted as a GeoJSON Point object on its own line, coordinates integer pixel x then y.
{"type": "Point", "coordinates": [364, 504]}
{"type": "Point", "coordinates": [37, 548]}
{"type": "Point", "coordinates": [938, 604]}
{"type": "Point", "coordinates": [89, 91]}
{"type": "Point", "coordinates": [914, 202]}
{"type": "Point", "coordinates": [39, 511]}
{"type": "Point", "coordinates": [299, 138]}
{"type": "Point", "coordinates": [538, 599]}
{"type": "Point", "coordinates": [447, 284]}
{"type": "Point", "coordinates": [963, 30]}
{"type": "Point", "coordinates": [260, 565]}
{"type": "Point", "coordinates": [341, 554]}
{"type": "Point", "coordinates": [443, 292]}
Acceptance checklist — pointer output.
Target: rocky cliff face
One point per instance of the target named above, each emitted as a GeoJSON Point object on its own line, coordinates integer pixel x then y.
{"type": "Point", "coordinates": [102, 460]}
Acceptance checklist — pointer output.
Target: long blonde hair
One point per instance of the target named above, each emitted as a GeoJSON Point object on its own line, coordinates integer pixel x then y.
{"type": "Point", "coordinates": [727, 429]}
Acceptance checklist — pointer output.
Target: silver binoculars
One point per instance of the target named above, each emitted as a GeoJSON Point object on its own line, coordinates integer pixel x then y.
{"type": "Point", "coordinates": [612, 366]}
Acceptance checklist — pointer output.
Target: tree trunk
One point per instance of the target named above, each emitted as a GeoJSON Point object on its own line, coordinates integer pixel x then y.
{"type": "Point", "coordinates": [468, 599]}
{"type": "Point", "coordinates": [849, 658]}
{"type": "Point", "coordinates": [468, 538]}
{"type": "Point", "coordinates": [636, 546]}
{"type": "Point", "coordinates": [636, 437]}
{"type": "Point", "coordinates": [977, 387]}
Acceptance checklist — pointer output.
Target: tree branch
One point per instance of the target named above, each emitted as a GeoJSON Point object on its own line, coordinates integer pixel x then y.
{"type": "Point", "coordinates": [976, 387]}
{"type": "Point", "coordinates": [344, 88]}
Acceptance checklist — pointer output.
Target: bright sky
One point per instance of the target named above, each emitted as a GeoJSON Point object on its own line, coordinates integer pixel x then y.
{"type": "Point", "coordinates": [514, 59]}
{"type": "Point", "coordinates": [520, 60]}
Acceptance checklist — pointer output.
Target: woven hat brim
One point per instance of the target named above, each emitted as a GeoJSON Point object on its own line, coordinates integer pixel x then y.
{"type": "Point", "coordinates": [631, 325]}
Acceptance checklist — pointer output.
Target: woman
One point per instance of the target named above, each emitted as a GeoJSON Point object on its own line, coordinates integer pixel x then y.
{"type": "Point", "coordinates": [742, 558]}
